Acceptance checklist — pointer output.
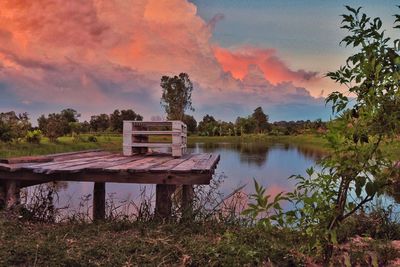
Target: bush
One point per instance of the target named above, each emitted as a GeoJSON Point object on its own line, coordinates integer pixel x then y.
{"type": "Point", "coordinates": [34, 137]}
{"type": "Point", "coordinates": [92, 139]}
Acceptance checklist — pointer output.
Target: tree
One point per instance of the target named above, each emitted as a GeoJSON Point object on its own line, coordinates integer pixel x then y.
{"type": "Point", "coordinates": [70, 115]}
{"type": "Point", "coordinates": [56, 126]}
{"type": "Point", "coordinates": [117, 118]}
{"type": "Point", "coordinates": [176, 95]}
{"type": "Point", "coordinates": [13, 126]}
{"type": "Point", "coordinates": [99, 123]}
{"type": "Point", "coordinates": [261, 120]}
{"type": "Point", "coordinates": [191, 123]}
{"type": "Point", "coordinates": [207, 125]}
{"type": "Point", "coordinates": [246, 125]}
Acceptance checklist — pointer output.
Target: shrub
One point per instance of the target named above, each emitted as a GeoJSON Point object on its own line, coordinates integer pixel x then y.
{"type": "Point", "coordinates": [92, 139]}
{"type": "Point", "coordinates": [34, 137]}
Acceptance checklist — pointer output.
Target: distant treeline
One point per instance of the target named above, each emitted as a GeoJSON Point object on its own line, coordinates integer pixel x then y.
{"type": "Point", "coordinates": [15, 127]}
{"type": "Point", "coordinates": [256, 123]}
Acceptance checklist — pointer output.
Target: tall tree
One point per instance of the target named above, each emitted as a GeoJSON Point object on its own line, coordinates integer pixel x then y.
{"type": "Point", "coordinates": [117, 118]}
{"type": "Point", "coordinates": [70, 115]}
{"type": "Point", "coordinates": [176, 95]}
{"type": "Point", "coordinates": [13, 126]}
{"type": "Point", "coordinates": [191, 123]}
{"type": "Point", "coordinates": [261, 120]}
{"type": "Point", "coordinates": [99, 123]}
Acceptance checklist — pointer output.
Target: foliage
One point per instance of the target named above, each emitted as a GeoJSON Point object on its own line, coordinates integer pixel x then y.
{"type": "Point", "coordinates": [99, 123]}
{"type": "Point", "coordinates": [34, 137]}
{"type": "Point", "coordinates": [357, 170]}
{"type": "Point", "coordinates": [54, 126]}
{"type": "Point", "coordinates": [117, 118]}
{"type": "Point", "coordinates": [246, 125]}
{"type": "Point", "coordinates": [265, 211]}
{"type": "Point", "coordinates": [13, 126]}
{"type": "Point", "coordinates": [207, 125]}
{"type": "Point", "coordinates": [191, 123]}
{"type": "Point", "coordinates": [92, 139]}
{"type": "Point", "coordinates": [176, 95]}
{"type": "Point", "coordinates": [261, 120]}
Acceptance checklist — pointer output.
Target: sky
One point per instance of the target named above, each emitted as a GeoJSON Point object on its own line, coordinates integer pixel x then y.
{"type": "Point", "coordinates": [96, 56]}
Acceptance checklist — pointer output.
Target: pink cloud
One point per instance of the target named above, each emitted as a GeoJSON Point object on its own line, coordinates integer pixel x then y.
{"type": "Point", "coordinates": [274, 69]}
{"type": "Point", "coordinates": [101, 55]}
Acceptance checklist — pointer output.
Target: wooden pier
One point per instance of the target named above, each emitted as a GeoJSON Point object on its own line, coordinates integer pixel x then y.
{"type": "Point", "coordinates": [103, 167]}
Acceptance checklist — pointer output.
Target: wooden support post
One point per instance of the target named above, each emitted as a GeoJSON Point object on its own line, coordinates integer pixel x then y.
{"type": "Point", "coordinates": [163, 200]}
{"type": "Point", "coordinates": [2, 195]}
{"type": "Point", "coordinates": [187, 202]}
{"type": "Point", "coordinates": [12, 194]}
{"type": "Point", "coordinates": [99, 201]}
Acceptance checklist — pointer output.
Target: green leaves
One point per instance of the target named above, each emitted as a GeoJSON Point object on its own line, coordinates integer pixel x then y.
{"type": "Point", "coordinates": [263, 209]}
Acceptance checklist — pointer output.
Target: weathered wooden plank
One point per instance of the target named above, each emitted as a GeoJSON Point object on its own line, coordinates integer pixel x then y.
{"type": "Point", "coordinates": [81, 155]}
{"type": "Point", "coordinates": [145, 166]}
{"type": "Point", "coordinates": [151, 145]}
{"type": "Point", "coordinates": [156, 133]}
{"type": "Point", "coordinates": [53, 168]}
{"type": "Point", "coordinates": [166, 166]}
{"type": "Point", "coordinates": [78, 159]}
{"type": "Point", "coordinates": [118, 177]}
{"type": "Point", "coordinates": [98, 163]}
{"type": "Point", "coordinates": [132, 165]}
{"type": "Point", "coordinates": [206, 164]}
{"type": "Point", "coordinates": [101, 166]}
{"type": "Point", "coordinates": [42, 158]}
{"type": "Point", "coordinates": [187, 165]}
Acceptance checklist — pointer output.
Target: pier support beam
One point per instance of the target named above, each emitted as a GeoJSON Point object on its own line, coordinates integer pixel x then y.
{"type": "Point", "coordinates": [163, 200]}
{"type": "Point", "coordinates": [2, 195]}
{"type": "Point", "coordinates": [187, 201]}
{"type": "Point", "coordinates": [99, 201]}
{"type": "Point", "coordinates": [12, 194]}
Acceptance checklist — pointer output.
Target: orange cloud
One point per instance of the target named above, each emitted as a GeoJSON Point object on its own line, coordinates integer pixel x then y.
{"type": "Point", "coordinates": [275, 70]}
{"type": "Point", "coordinates": [96, 55]}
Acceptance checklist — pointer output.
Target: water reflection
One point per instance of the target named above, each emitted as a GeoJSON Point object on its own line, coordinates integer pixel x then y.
{"type": "Point", "coordinates": [270, 164]}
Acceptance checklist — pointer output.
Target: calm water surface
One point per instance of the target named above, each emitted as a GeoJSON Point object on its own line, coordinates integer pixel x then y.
{"type": "Point", "coordinates": [269, 164]}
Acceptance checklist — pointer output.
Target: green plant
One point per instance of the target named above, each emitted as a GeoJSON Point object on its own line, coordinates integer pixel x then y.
{"type": "Point", "coordinates": [92, 139]}
{"type": "Point", "coordinates": [265, 211]}
{"type": "Point", "coordinates": [356, 165]}
{"type": "Point", "coordinates": [34, 137]}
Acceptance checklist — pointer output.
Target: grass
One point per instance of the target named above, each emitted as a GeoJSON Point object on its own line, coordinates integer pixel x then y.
{"type": "Point", "coordinates": [123, 243]}
{"type": "Point", "coordinates": [64, 144]}
{"type": "Point", "coordinates": [113, 142]}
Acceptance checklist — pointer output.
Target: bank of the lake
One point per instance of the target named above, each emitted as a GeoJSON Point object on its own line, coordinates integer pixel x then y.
{"type": "Point", "coordinates": [113, 142]}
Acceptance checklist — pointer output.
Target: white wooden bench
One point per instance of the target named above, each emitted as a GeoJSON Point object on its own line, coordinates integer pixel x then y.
{"type": "Point", "coordinates": [136, 136]}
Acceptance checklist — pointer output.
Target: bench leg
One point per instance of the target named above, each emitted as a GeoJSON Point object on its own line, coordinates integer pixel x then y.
{"type": "Point", "coordinates": [99, 201]}
{"type": "Point", "coordinates": [163, 200]}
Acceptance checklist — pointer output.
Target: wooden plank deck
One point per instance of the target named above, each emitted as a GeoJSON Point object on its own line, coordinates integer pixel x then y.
{"type": "Point", "coordinates": [111, 167]}
{"type": "Point", "coordinates": [103, 167]}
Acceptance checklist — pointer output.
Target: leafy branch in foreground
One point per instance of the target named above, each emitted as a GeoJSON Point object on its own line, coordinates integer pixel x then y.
{"type": "Point", "coordinates": [357, 170]}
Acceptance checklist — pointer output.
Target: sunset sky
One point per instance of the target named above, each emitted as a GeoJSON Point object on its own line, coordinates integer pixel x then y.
{"type": "Point", "coordinates": [96, 56]}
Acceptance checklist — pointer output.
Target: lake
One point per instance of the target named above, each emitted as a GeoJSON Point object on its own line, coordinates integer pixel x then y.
{"type": "Point", "coordinates": [269, 164]}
